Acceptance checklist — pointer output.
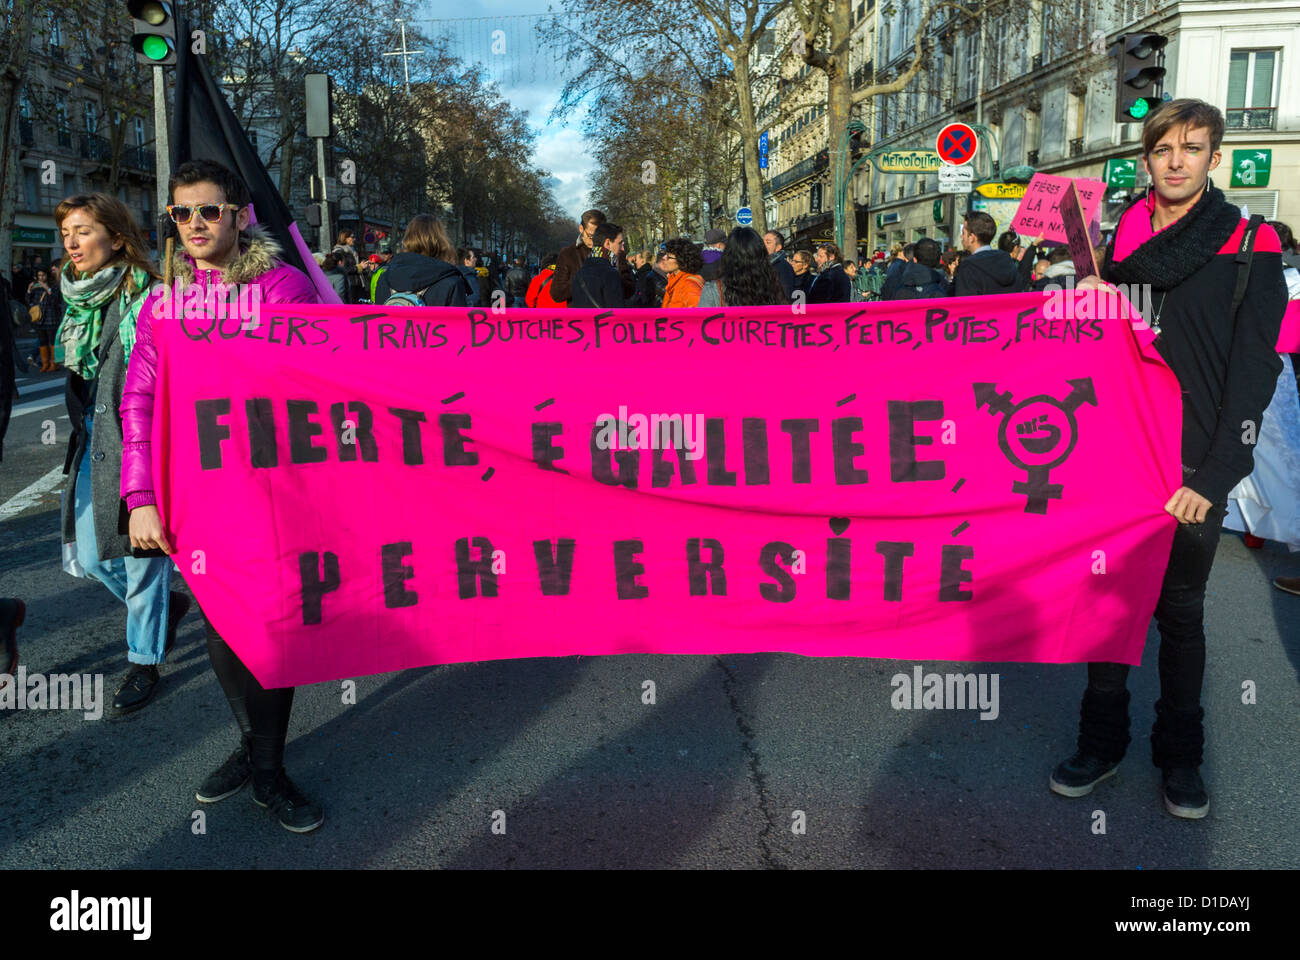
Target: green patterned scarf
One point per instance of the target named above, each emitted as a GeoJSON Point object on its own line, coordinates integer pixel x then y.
{"type": "Point", "coordinates": [86, 301]}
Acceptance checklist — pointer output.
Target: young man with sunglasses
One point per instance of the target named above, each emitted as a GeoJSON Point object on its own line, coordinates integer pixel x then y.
{"type": "Point", "coordinates": [210, 207]}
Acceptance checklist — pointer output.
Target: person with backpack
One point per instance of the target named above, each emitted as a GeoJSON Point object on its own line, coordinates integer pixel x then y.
{"type": "Point", "coordinates": [539, 290]}
{"type": "Point", "coordinates": [922, 280]}
{"type": "Point", "coordinates": [598, 284]}
{"type": "Point", "coordinates": [1217, 304]}
{"type": "Point", "coordinates": [423, 274]}
{"type": "Point", "coordinates": [746, 277]}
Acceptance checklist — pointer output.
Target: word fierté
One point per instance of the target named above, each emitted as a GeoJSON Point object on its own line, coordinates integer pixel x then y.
{"type": "Point", "coordinates": [1043, 481]}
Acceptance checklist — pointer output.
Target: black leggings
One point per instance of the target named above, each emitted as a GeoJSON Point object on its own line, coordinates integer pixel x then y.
{"type": "Point", "coordinates": [262, 715]}
{"type": "Point", "coordinates": [44, 337]}
{"type": "Point", "coordinates": [1178, 737]}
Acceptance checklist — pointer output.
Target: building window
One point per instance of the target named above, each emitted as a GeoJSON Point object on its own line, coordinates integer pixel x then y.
{"type": "Point", "coordinates": [139, 131]}
{"type": "Point", "coordinates": [997, 52]}
{"type": "Point", "coordinates": [92, 117]}
{"type": "Point", "coordinates": [1252, 77]}
{"type": "Point", "coordinates": [31, 194]}
{"type": "Point", "coordinates": [61, 123]}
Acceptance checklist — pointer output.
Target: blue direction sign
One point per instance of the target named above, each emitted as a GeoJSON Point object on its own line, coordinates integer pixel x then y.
{"type": "Point", "coordinates": [744, 216]}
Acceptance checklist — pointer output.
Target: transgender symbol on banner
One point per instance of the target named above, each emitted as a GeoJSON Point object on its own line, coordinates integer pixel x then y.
{"type": "Point", "coordinates": [1045, 432]}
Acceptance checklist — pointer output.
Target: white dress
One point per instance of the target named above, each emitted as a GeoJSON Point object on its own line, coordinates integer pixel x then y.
{"type": "Point", "coordinates": [1267, 503]}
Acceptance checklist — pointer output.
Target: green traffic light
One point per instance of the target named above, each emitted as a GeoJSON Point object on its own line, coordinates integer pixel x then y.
{"type": "Point", "coordinates": [155, 48]}
{"type": "Point", "coordinates": [1139, 109]}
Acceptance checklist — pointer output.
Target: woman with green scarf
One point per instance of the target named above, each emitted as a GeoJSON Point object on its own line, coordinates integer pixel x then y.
{"type": "Point", "coordinates": [104, 283]}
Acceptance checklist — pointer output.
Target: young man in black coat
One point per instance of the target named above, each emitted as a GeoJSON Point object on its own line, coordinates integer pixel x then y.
{"type": "Point", "coordinates": [832, 284]}
{"type": "Point", "coordinates": [1182, 240]}
{"type": "Point", "coordinates": [598, 283]}
{"type": "Point", "coordinates": [986, 270]}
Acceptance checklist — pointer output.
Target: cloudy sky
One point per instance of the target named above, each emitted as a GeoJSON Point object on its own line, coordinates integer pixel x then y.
{"type": "Point", "coordinates": [530, 77]}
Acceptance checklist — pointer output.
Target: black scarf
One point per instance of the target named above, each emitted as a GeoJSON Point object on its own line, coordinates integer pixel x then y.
{"type": "Point", "coordinates": [1181, 249]}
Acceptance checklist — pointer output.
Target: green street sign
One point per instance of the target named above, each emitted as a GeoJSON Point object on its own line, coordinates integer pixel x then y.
{"type": "Point", "coordinates": [33, 235]}
{"type": "Point", "coordinates": [1121, 173]}
{"type": "Point", "coordinates": [907, 161]}
{"type": "Point", "coordinates": [1250, 167]}
{"type": "Point", "coordinates": [937, 212]}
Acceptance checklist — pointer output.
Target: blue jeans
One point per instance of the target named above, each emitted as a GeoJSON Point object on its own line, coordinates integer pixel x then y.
{"type": "Point", "coordinates": [518, 302]}
{"type": "Point", "coordinates": [144, 585]}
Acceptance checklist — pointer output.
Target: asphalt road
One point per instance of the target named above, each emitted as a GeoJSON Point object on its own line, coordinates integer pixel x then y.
{"type": "Point", "coordinates": [587, 775]}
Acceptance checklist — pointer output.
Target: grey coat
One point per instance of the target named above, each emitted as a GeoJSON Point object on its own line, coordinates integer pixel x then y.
{"type": "Point", "coordinates": [104, 458]}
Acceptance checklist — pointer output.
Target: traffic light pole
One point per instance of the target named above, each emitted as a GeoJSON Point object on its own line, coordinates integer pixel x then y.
{"type": "Point", "coordinates": [161, 149]}
{"type": "Point", "coordinates": [326, 243]}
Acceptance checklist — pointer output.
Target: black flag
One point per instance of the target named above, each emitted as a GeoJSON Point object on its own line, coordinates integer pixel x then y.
{"type": "Point", "coordinates": [204, 126]}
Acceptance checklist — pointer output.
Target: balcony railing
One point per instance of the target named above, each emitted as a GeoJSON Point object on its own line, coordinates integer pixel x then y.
{"type": "Point", "coordinates": [141, 158]}
{"type": "Point", "coordinates": [802, 169]}
{"type": "Point", "coordinates": [26, 135]}
{"type": "Point", "coordinates": [95, 147]}
{"type": "Point", "coordinates": [1252, 118]}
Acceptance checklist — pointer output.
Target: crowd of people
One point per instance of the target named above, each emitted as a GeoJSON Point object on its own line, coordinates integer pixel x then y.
{"type": "Point", "coordinates": [1221, 347]}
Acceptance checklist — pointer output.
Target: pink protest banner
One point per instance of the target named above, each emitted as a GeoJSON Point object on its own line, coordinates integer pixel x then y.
{"type": "Point", "coordinates": [1039, 211]}
{"type": "Point", "coordinates": [1288, 340]}
{"type": "Point", "coordinates": [374, 489]}
{"type": "Point", "coordinates": [1076, 234]}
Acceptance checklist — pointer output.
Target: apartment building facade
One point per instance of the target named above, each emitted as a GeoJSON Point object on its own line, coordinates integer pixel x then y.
{"type": "Point", "coordinates": [1038, 78]}
{"type": "Point", "coordinates": [1049, 104]}
{"type": "Point", "coordinates": [84, 110]}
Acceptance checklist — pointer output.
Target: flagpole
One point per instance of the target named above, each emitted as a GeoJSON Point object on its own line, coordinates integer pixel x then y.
{"type": "Point", "coordinates": [162, 157]}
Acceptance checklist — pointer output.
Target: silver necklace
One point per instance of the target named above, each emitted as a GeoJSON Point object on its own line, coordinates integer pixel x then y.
{"type": "Point", "coordinates": [1155, 322]}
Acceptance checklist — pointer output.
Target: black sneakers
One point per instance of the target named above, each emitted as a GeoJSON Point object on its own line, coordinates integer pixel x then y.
{"type": "Point", "coordinates": [227, 779]}
{"type": "Point", "coordinates": [1185, 794]}
{"type": "Point", "coordinates": [137, 689]}
{"type": "Point", "coordinates": [287, 802]}
{"type": "Point", "coordinates": [1078, 775]}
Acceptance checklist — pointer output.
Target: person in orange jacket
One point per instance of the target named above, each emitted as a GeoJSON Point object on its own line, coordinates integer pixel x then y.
{"type": "Point", "coordinates": [683, 261]}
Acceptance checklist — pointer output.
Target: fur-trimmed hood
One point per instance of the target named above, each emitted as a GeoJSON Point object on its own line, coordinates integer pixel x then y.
{"type": "Point", "coordinates": [259, 254]}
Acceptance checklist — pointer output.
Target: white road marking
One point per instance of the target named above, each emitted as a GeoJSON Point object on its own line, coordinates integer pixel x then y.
{"type": "Point", "coordinates": [31, 496]}
{"type": "Point", "coordinates": [34, 406]}
{"type": "Point", "coordinates": [40, 386]}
